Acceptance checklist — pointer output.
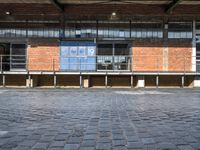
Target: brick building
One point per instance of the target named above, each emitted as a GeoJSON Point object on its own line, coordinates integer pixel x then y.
{"type": "Point", "coordinates": [111, 43]}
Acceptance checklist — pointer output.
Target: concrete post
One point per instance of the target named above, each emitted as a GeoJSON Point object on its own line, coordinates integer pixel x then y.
{"type": "Point", "coordinates": [55, 81]}
{"type": "Point", "coordinates": [81, 82]}
{"type": "Point", "coordinates": [157, 81]}
{"type": "Point", "coordinates": [28, 81]}
{"type": "Point", "coordinates": [131, 81]}
{"type": "Point", "coordinates": [106, 81]}
{"type": "Point", "coordinates": [141, 82]}
{"type": "Point", "coordinates": [197, 81]}
{"type": "Point", "coordinates": [183, 81]}
{"type": "Point", "coordinates": [86, 82]}
{"type": "Point", "coordinates": [4, 80]}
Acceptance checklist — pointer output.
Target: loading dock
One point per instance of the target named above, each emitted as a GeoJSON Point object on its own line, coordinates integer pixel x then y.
{"type": "Point", "coordinates": [121, 47]}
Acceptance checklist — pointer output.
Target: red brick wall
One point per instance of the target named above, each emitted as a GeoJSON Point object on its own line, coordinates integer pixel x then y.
{"type": "Point", "coordinates": [147, 56]}
{"type": "Point", "coordinates": [43, 56]}
{"type": "Point", "coordinates": [180, 56]}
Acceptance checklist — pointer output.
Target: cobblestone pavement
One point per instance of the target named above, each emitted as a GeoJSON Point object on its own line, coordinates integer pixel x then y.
{"type": "Point", "coordinates": [100, 119]}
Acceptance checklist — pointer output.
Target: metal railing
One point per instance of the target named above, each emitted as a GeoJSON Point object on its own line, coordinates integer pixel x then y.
{"type": "Point", "coordinates": [104, 63]}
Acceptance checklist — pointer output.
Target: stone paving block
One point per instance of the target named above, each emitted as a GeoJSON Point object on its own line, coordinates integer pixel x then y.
{"type": "Point", "coordinates": [55, 148]}
{"type": "Point", "coordinates": [119, 142]}
{"type": "Point", "coordinates": [120, 148]}
{"type": "Point", "coordinates": [74, 140]}
{"type": "Point", "coordinates": [104, 140]}
{"type": "Point", "coordinates": [90, 137]}
{"type": "Point", "coordinates": [71, 146]}
{"type": "Point", "coordinates": [46, 139]}
{"type": "Point", "coordinates": [135, 145]}
{"type": "Point", "coordinates": [33, 137]}
{"type": "Point", "coordinates": [146, 141]}
{"type": "Point", "coordinates": [133, 139]}
{"type": "Point", "coordinates": [86, 148]}
{"type": "Point", "coordinates": [88, 143]}
{"type": "Point", "coordinates": [118, 137]}
{"type": "Point", "coordinates": [61, 137]}
{"type": "Point", "coordinates": [57, 144]}
{"type": "Point", "coordinates": [28, 143]}
{"type": "Point", "coordinates": [23, 148]}
{"type": "Point", "coordinates": [185, 147]}
{"type": "Point", "coordinates": [103, 146]}
{"type": "Point", "coordinates": [40, 146]}
{"type": "Point", "coordinates": [167, 146]}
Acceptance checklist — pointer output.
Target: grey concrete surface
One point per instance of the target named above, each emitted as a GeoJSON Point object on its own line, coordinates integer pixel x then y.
{"type": "Point", "coordinates": [99, 119]}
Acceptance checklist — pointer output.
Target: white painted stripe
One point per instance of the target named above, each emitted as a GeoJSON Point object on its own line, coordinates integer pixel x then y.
{"type": "Point", "coordinates": [142, 93]}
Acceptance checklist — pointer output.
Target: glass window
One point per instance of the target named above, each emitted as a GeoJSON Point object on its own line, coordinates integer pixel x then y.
{"type": "Point", "coordinates": [114, 29]}
{"type": "Point", "coordinates": [180, 30]}
{"type": "Point", "coordinates": [146, 30]}
{"type": "Point", "coordinates": [105, 49]}
{"type": "Point", "coordinates": [80, 29]}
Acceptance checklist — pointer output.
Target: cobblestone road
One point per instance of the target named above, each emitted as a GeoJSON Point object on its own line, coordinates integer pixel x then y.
{"type": "Point", "coordinates": [100, 119]}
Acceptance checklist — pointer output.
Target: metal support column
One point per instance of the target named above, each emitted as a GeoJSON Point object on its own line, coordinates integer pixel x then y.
{"type": "Point", "coordinates": [194, 54]}
{"type": "Point", "coordinates": [157, 81]}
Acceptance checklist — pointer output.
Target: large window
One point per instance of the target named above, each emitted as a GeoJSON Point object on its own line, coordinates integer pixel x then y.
{"type": "Point", "coordinates": [146, 30]}
{"type": "Point", "coordinates": [12, 29]}
{"type": "Point", "coordinates": [105, 57]}
{"type": "Point", "coordinates": [180, 30]}
{"type": "Point", "coordinates": [114, 29]}
{"type": "Point", "coordinates": [43, 29]}
{"type": "Point", "coordinates": [12, 32]}
{"type": "Point", "coordinates": [113, 57]}
{"type": "Point", "coordinates": [44, 32]}
{"type": "Point", "coordinates": [33, 29]}
{"type": "Point", "coordinates": [18, 57]}
{"type": "Point", "coordinates": [80, 29]}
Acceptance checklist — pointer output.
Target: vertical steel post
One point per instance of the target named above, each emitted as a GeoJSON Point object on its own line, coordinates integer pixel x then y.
{"type": "Point", "coordinates": [194, 54]}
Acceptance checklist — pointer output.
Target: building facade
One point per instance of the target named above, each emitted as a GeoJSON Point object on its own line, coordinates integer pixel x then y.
{"type": "Point", "coordinates": [64, 43]}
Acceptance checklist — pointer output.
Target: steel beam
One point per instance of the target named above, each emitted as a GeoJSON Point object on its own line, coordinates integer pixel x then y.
{"type": "Point", "coordinates": [172, 5]}
{"type": "Point", "coordinates": [59, 6]}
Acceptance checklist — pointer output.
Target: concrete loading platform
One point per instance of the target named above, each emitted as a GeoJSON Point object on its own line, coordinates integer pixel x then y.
{"type": "Point", "coordinates": [98, 80]}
